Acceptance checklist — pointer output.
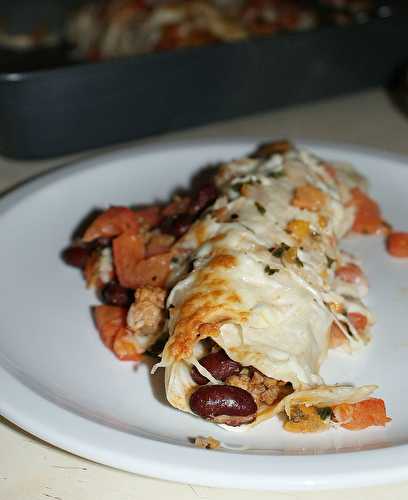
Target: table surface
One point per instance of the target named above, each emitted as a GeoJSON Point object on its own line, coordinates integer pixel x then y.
{"type": "Point", "coordinates": [31, 469]}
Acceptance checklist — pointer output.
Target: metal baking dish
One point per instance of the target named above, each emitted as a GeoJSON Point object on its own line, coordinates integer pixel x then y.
{"type": "Point", "coordinates": [68, 109]}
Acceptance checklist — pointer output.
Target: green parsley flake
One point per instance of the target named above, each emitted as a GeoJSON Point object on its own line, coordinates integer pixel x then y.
{"type": "Point", "coordinates": [324, 413]}
{"type": "Point", "coordinates": [278, 251]}
{"type": "Point", "coordinates": [270, 271]}
{"type": "Point", "coordinates": [276, 174]}
{"type": "Point", "coordinates": [330, 261]}
{"type": "Point", "coordinates": [261, 209]}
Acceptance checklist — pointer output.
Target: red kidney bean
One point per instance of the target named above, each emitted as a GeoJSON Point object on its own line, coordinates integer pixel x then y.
{"type": "Point", "coordinates": [114, 294]}
{"type": "Point", "coordinates": [76, 256]}
{"type": "Point", "coordinates": [205, 195]}
{"type": "Point", "coordinates": [215, 401]}
{"type": "Point", "coordinates": [218, 364]}
{"type": "Point", "coordinates": [178, 225]}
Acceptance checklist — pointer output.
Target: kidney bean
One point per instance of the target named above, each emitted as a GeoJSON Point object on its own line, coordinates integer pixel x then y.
{"type": "Point", "coordinates": [178, 225]}
{"type": "Point", "coordinates": [215, 401]}
{"type": "Point", "coordinates": [205, 195]}
{"type": "Point", "coordinates": [218, 364]}
{"type": "Point", "coordinates": [114, 294]}
{"type": "Point", "coordinates": [75, 256]}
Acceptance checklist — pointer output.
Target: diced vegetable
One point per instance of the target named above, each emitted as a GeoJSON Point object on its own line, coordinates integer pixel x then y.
{"type": "Point", "coordinates": [110, 320]}
{"type": "Point", "coordinates": [351, 273]}
{"type": "Point", "coordinates": [397, 244]}
{"type": "Point", "coordinates": [309, 197]}
{"type": "Point", "coordinates": [159, 243]}
{"type": "Point", "coordinates": [368, 216]}
{"type": "Point", "coordinates": [149, 217]}
{"type": "Point", "coordinates": [357, 416]}
{"type": "Point", "coordinates": [305, 419]}
{"type": "Point", "coordinates": [151, 271]}
{"type": "Point", "coordinates": [128, 251]}
{"type": "Point", "coordinates": [112, 222]}
{"type": "Point", "coordinates": [300, 229]}
{"type": "Point", "coordinates": [124, 348]}
{"type": "Point", "coordinates": [358, 320]}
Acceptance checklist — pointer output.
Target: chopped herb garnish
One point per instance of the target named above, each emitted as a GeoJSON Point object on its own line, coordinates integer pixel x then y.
{"type": "Point", "coordinates": [261, 209]}
{"type": "Point", "coordinates": [298, 262]}
{"type": "Point", "coordinates": [324, 413]}
{"type": "Point", "coordinates": [270, 271]}
{"type": "Point", "coordinates": [174, 260]}
{"type": "Point", "coordinates": [278, 251]}
{"type": "Point", "coordinates": [330, 261]}
{"type": "Point", "coordinates": [234, 216]}
{"type": "Point", "coordinates": [276, 174]}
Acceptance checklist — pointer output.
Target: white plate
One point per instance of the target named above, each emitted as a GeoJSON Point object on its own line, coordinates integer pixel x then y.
{"type": "Point", "coordinates": [60, 383]}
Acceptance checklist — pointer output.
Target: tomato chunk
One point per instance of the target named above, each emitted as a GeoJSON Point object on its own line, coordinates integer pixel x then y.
{"type": "Point", "coordinates": [124, 348]}
{"type": "Point", "coordinates": [351, 273]}
{"type": "Point", "coordinates": [128, 251]}
{"type": "Point", "coordinates": [358, 320]}
{"type": "Point", "coordinates": [357, 416]}
{"type": "Point", "coordinates": [110, 320]}
{"type": "Point", "coordinates": [112, 222]}
{"type": "Point", "coordinates": [159, 243]}
{"type": "Point", "coordinates": [397, 244]}
{"type": "Point", "coordinates": [368, 216]}
{"type": "Point", "coordinates": [149, 217]}
{"type": "Point", "coordinates": [151, 271]}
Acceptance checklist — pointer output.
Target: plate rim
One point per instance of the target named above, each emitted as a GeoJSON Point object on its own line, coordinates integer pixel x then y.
{"type": "Point", "coordinates": [182, 463]}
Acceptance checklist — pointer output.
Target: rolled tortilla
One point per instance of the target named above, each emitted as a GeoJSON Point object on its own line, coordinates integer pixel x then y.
{"type": "Point", "coordinates": [262, 286]}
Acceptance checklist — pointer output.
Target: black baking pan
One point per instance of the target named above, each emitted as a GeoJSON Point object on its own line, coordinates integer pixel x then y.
{"type": "Point", "coordinates": [63, 110]}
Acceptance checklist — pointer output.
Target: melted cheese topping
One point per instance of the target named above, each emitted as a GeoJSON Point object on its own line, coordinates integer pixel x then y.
{"type": "Point", "coordinates": [260, 289]}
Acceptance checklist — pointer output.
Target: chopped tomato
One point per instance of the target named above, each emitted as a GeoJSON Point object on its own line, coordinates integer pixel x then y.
{"type": "Point", "coordinates": [159, 243]}
{"type": "Point", "coordinates": [309, 197]}
{"type": "Point", "coordinates": [351, 273]}
{"type": "Point", "coordinates": [397, 244]}
{"type": "Point", "coordinates": [149, 217]}
{"type": "Point", "coordinates": [124, 348]}
{"type": "Point", "coordinates": [337, 337]}
{"type": "Point", "coordinates": [128, 251]}
{"type": "Point", "coordinates": [112, 222]}
{"type": "Point", "coordinates": [368, 216]}
{"type": "Point", "coordinates": [357, 416]}
{"type": "Point", "coordinates": [151, 271]}
{"type": "Point", "coordinates": [358, 320]}
{"type": "Point", "coordinates": [109, 321]}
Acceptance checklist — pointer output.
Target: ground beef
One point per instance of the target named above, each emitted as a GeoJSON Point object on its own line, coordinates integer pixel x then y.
{"type": "Point", "coordinates": [265, 390]}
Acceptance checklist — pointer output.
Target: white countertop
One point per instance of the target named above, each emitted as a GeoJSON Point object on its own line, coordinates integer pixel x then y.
{"type": "Point", "coordinates": [31, 469]}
